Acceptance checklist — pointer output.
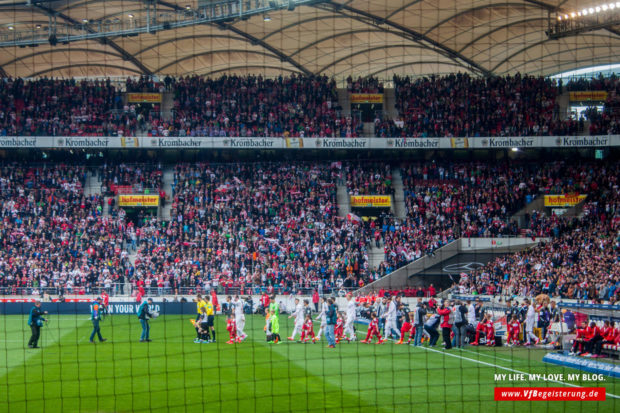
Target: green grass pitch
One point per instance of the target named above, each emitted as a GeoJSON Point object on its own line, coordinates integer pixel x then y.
{"type": "Point", "coordinates": [172, 374]}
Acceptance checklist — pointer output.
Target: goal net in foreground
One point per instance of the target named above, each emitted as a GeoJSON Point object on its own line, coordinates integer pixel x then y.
{"type": "Point", "coordinates": [164, 356]}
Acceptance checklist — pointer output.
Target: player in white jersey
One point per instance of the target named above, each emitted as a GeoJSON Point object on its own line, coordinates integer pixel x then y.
{"type": "Point", "coordinates": [530, 320]}
{"type": "Point", "coordinates": [391, 328]}
{"type": "Point", "coordinates": [239, 318]}
{"type": "Point", "coordinates": [323, 317]}
{"type": "Point", "coordinates": [298, 313]}
{"type": "Point", "coordinates": [351, 316]}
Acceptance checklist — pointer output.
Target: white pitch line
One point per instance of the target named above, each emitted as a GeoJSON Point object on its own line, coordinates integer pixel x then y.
{"type": "Point", "coordinates": [487, 355]}
{"type": "Point", "coordinates": [504, 368]}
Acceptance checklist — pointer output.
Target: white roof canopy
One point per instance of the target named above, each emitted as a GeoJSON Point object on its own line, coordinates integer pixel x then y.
{"type": "Point", "coordinates": [336, 38]}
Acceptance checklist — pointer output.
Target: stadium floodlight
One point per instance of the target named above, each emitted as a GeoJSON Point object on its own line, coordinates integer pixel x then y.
{"type": "Point", "coordinates": [591, 10]}
{"type": "Point", "coordinates": [266, 18]}
{"type": "Point", "coordinates": [38, 26]}
{"type": "Point", "coordinates": [618, 5]}
{"type": "Point", "coordinates": [604, 7]}
{"type": "Point", "coordinates": [11, 27]}
{"type": "Point", "coordinates": [584, 12]}
{"type": "Point", "coordinates": [612, 6]}
{"type": "Point", "coordinates": [597, 9]}
{"type": "Point", "coordinates": [130, 16]}
{"type": "Point", "coordinates": [84, 21]}
{"type": "Point", "coordinates": [572, 15]}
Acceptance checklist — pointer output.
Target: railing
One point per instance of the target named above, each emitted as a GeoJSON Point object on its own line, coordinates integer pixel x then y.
{"type": "Point", "coordinates": [115, 289]}
{"type": "Point", "coordinates": [128, 289]}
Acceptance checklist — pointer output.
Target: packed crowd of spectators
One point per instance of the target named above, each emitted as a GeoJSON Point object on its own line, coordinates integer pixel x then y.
{"type": "Point", "coordinates": [447, 201]}
{"type": "Point", "coordinates": [462, 105]}
{"type": "Point", "coordinates": [239, 225]}
{"type": "Point", "coordinates": [456, 105]}
{"type": "Point", "coordinates": [603, 122]}
{"type": "Point", "coordinates": [369, 178]}
{"type": "Point", "coordinates": [130, 178]}
{"type": "Point", "coordinates": [276, 226]}
{"type": "Point", "coordinates": [48, 107]}
{"type": "Point", "coordinates": [581, 260]}
{"type": "Point", "coordinates": [364, 85]}
{"type": "Point", "coordinates": [252, 106]}
{"type": "Point", "coordinates": [54, 237]}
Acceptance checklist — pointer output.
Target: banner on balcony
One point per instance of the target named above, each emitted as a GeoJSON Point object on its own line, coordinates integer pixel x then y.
{"type": "Point", "coordinates": [595, 95]}
{"type": "Point", "coordinates": [371, 201]}
{"type": "Point", "coordinates": [144, 97]}
{"type": "Point", "coordinates": [569, 200]}
{"type": "Point", "coordinates": [366, 98]}
{"type": "Point", "coordinates": [138, 200]}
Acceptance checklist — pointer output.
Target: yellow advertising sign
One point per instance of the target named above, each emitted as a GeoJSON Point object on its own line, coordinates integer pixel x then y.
{"type": "Point", "coordinates": [294, 143]}
{"type": "Point", "coordinates": [138, 200]}
{"type": "Point", "coordinates": [366, 98]}
{"type": "Point", "coordinates": [144, 97]}
{"type": "Point", "coordinates": [459, 143]}
{"type": "Point", "coordinates": [598, 95]}
{"type": "Point", "coordinates": [563, 200]}
{"type": "Point", "coordinates": [371, 201]}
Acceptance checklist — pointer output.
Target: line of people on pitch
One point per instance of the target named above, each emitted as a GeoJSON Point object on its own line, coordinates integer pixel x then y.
{"type": "Point", "coordinates": [458, 322]}
{"type": "Point", "coordinates": [204, 323]}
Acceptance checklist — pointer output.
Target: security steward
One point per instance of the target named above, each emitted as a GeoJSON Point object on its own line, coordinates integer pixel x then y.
{"type": "Point", "coordinates": [35, 321]}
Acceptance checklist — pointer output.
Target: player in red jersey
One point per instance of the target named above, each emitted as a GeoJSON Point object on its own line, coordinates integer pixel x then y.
{"type": "Point", "coordinates": [481, 328]}
{"type": "Point", "coordinates": [609, 337]}
{"type": "Point", "coordinates": [490, 330]}
{"type": "Point", "coordinates": [307, 330]}
{"type": "Point", "coordinates": [514, 328]}
{"type": "Point", "coordinates": [231, 326]}
{"type": "Point", "coordinates": [578, 342]}
{"type": "Point", "coordinates": [595, 334]}
{"type": "Point", "coordinates": [406, 328]}
{"type": "Point", "coordinates": [105, 300]}
{"type": "Point", "coordinates": [373, 330]}
{"type": "Point", "coordinates": [339, 329]}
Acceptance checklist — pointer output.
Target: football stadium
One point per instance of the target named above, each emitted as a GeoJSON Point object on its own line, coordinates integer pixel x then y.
{"type": "Point", "coordinates": [309, 206]}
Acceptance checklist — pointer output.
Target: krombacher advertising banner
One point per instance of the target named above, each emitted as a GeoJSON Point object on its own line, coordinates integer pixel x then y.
{"type": "Point", "coordinates": [113, 142]}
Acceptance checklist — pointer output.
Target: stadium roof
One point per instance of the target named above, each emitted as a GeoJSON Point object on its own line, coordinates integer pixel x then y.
{"type": "Point", "coordinates": [336, 38]}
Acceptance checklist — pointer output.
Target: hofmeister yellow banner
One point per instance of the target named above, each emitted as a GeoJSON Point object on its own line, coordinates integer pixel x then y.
{"type": "Point", "coordinates": [144, 97]}
{"type": "Point", "coordinates": [563, 200]}
{"type": "Point", "coordinates": [598, 95]}
{"type": "Point", "coordinates": [366, 98]}
{"type": "Point", "coordinates": [371, 201]}
{"type": "Point", "coordinates": [138, 200]}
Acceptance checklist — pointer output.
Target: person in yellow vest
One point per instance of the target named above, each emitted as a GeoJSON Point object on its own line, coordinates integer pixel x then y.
{"type": "Point", "coordinates": [200, 303]}
{"type": "Point", "coordinates": [210, 317]}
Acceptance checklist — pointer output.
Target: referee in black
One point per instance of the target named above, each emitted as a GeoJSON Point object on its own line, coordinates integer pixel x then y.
{"type": "Point", "coordinates": [35, 321]}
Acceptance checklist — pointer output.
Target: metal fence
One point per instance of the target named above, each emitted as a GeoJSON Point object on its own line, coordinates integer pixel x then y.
{"type": "Point", "coordinates": [129, 289]}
